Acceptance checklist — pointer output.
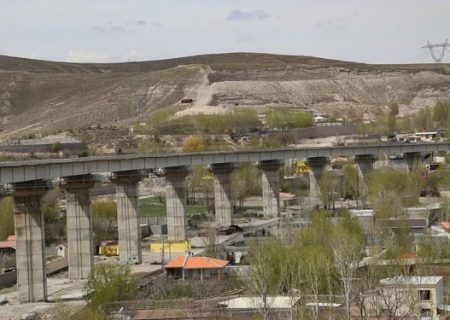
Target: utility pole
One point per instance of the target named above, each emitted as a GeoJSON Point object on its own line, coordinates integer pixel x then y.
{"type": "Point", "coordinates": [162, 252]}
{"type": "Point", "coordinates": [443, 46]}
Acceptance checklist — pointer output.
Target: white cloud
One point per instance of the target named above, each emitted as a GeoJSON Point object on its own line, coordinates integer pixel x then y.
{"type": "Point", "coordinates": [110, 29]}
{"type": "Point", "coordinates": [87, 56]}
{"type": "Point", "coordinates": [335, 23]}
{"type": "Point", "coordinates": [117, 28]}
{"type": "Point", "coordinates": [247, 15]}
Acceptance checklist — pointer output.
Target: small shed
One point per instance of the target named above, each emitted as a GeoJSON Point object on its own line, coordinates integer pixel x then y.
{"type": "Point", "coordinates": [190, 267]}
{"type": "Point", "coordinates": [61, 251]}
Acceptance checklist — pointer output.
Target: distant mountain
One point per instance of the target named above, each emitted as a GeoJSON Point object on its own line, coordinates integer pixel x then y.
{"type": "Point", "coordinates": [38, 95]}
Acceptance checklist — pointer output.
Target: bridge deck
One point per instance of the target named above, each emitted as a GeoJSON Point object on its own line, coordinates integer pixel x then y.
{"type": "Point", "coordinates": [18, 171]}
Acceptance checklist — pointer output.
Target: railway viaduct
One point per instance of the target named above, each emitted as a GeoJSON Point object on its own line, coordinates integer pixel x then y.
{"type": "Point", "coordinates": [28, 181]}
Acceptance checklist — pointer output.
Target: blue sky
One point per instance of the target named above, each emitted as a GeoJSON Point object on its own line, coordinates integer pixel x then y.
{"type": "Point", "coordinates": [375, 31]}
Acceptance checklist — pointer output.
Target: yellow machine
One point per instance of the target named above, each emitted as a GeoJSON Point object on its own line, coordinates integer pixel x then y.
{"type": "Point", "coordinates": [171, 246]}
{"type": "Point", "coordinates": [301, 167]}
{"type": "Point", "coordinates": [109, 249]}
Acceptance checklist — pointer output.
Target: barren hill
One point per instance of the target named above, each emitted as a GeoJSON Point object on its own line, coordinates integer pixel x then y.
{"type": "Point", "coordinates": [39, 95]}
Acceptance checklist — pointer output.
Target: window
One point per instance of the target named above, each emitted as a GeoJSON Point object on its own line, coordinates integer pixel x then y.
{"type": "Point", "coordinates": [425, 295]}
{"type": "Point", "coordinates": [425, 313]}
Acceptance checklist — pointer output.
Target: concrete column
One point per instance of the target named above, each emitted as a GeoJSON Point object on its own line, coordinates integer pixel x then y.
{"type": "Point", "coordinates": [127, 194]}
{"type": "Point", "coordinates": [412, 159]}
{"type": "Point", "coordinates": [223, 193]}
{"type": "Point", "coordinates": [317, 167]}
{"type": "Point", "coordinates": [79, 225]}
{"type": "Point", "coordinates": [364, 164]}
{"type": "Point", "coordinates": [30, 240]}
{"type": "Point", "coordinates": [270, 187]}
{"type": "Point", "coordinates": [176, 202]}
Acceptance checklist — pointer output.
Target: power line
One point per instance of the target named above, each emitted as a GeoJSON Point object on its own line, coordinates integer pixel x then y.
{"type": "Point", "coordinates": [443, 46]}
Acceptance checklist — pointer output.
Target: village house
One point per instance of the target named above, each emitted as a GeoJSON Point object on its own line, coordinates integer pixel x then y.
{"type": "Point", "coordinates": [198, 268]}
{"type": "Point", "coordinates": [8, 246]}
{"type": "Point", "coordinates": [404, 296]}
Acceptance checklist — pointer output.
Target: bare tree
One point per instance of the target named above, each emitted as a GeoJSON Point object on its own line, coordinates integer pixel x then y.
{"type": "Point", "coordinates": [393, 299]}
{"type": "Point", "coordinates": [348, 244]}
{"type": "Point", "coordinates": [317, 268]}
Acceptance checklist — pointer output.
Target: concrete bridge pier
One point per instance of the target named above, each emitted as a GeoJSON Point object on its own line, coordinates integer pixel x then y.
{"type": "Point", "coordinates": [30, 240]}
{"type": "Point", "coordinates": [223, 193]}
{"type": "Point", "coordinates": [412, 159]}
{"type": "Point", "coordinates": [364, 164]}
{"type": "Point", "coordinates": [270, 187]}
{"type": "Point", "coordinates": [79, 225]}
{"type": "Point", "coordinates": [130, 250]}
{"type": "Point", "coordinates": [317, 166]}
{"type": "Point", "coordinates": [176, 202]}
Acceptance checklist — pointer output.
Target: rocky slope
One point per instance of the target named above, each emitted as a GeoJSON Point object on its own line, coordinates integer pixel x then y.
{"type": "Point", "coordinates": [38, 96]}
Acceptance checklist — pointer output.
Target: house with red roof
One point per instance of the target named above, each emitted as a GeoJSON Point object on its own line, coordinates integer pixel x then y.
{"type": "Point", "coordinates": [8, 246]}
{"type": "Point", "coordinates": [199, 268]}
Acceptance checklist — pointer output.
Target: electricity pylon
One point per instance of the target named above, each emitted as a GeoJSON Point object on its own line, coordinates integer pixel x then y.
{"type": "Point", "coordinates": [431, 47]}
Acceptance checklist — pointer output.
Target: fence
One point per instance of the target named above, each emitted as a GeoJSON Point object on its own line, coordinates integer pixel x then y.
{"type": "Point", "coordinates": [328, 306]}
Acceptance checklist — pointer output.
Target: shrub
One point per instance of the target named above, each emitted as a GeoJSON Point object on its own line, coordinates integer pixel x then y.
{"type": "Point", "coordinates": [111, 282]}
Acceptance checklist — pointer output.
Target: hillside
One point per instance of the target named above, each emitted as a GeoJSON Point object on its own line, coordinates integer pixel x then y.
{"type": "Point", "coordinates": [40, 95]}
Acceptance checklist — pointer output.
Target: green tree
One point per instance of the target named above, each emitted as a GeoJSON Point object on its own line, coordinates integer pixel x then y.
{"type": "Point", "coordinates": [50, 205]}
{"type": "Point", "coordinates": [330, 189]}
{"type": "Point", "coordinates": [423, 119]}
{"type": "Point", "coordinates": [200, 181]}
{"type": "Point", "coordinates": [150, 147]}
{"type": "Point", "coordinates": [427, 250]}
{"type": "Point", "coordinates": [318, 273]}
{"type": "Point", "coordinates": [245, 181]}
{"type": "Point", "coordinates": [55, 228]}
{"type": "Point", "coordinates": [194, 143]}
{"type": "Point", "coordinates": [159, 118]}
{"type": "Point", "coordinates": [284, 118]}
{"type": "Point", "coordinates": [267, 275]}
{"type": "Point", "coordinates": [104, 215]}
{"type": "Point", "coordinates": [391, 124]}
{"type": "Point", "coordinates": [110, 282]}
{"type": "Point", "coordinates": [390, 189]}
{"type": "Point", "coordinates": [348, 246]}
{"type": "Point", "coordinates": [352, 182]}
{"type": "Point", "coordinates": [441, 114]}
{"type": "Point", "coordinates": [318, 232]}
{"type": "Point", "coordinates": [57, 147]}
{"type": "Point", "coordinates": [245, 120]}
{"type": "Point", "coordinates": [393, 108]}
{"type": "Point", "coordinates": [6, 218]}
{"type": "Point", "coordinates": [402, 242]}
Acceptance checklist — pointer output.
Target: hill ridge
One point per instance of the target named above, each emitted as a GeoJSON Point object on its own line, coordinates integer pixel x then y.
{"type": "Point", "coordinates": [218, 61]}
{"type": "Point", "coordinates": [45, 96]}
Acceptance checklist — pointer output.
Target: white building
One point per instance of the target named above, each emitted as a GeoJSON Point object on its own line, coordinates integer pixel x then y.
{"type": "Point", "coordinates": [408, 296]}
{"type": "Point", "coordinates": [429, 136]}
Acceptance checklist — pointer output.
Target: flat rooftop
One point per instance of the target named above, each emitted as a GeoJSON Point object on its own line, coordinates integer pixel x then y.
{"type": "Point", "coordinates": [274, 302]}
{"type": "Point", "coordinates": [414, 281]}
{"type": "Point", "coordinates": [361, 212]}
